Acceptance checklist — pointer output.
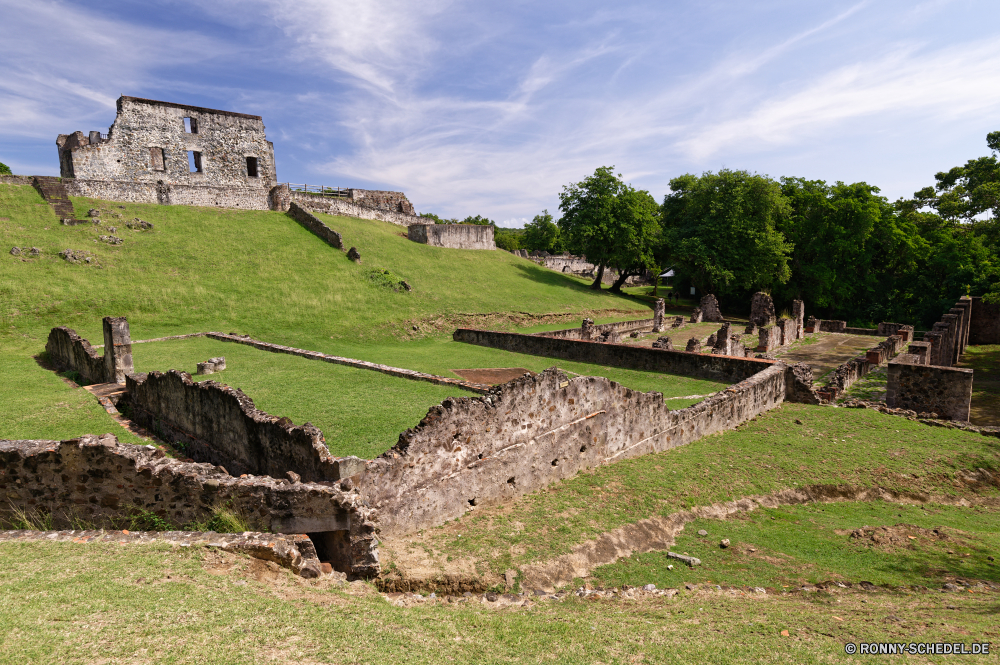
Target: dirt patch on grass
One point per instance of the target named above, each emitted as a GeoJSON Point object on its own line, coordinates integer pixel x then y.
{"type": "Point", "coordinates": [504, 321]}
{"type": "Point", "coordinates": [492, 376]}
{"type": "Point", "coordinates": [900, 536]}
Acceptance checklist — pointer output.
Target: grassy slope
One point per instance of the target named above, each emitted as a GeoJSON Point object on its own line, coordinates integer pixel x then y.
{"type": "Point", "coordinates": [256, 273]}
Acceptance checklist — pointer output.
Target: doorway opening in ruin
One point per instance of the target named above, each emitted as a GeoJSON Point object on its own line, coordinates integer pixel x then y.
{"type": "Point", "coordinates": [252, 167]}
{"type": "Point", "coordinates": [191, 125]}
{"type": "Point", "coordinates": [194, 161]}
{"type": "Point", "coordinates": [334, 548]}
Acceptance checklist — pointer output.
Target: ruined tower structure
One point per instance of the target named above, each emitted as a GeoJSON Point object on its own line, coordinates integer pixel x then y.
{"type": "Point", "coordinates": [162, 152]}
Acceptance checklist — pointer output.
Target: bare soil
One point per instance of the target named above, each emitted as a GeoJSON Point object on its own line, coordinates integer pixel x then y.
{"type": "Point", "coordinates": [494, 376]}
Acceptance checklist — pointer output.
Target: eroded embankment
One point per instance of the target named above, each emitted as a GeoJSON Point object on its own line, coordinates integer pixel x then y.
{"type": "Point", "coordinates": [657, 533]}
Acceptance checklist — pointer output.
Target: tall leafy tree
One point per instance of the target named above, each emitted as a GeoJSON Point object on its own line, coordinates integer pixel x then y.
{"type": "Point", "coordinates": [635, 234]}
{"type": "Point", "coordinates": [721, 231]}
{"type": "Point", "coordinates": [542, 234]}
{"type": "Point", "coordinates": [588, 217]}
{"type": "Point", "coordinates": [4, 169]}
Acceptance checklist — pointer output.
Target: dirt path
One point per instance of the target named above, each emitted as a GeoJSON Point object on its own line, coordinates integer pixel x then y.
{"type": "Point", "coordinates": [828, 352]}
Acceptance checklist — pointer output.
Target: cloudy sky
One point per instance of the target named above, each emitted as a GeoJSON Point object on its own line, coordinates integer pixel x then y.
{"type": "Point", "coordinates": [490, 108]}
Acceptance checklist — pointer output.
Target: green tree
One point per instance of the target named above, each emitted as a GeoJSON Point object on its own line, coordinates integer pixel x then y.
{"type": "Point", "coordinates": [720, 232]}
{"type": "Point", "coordinates": [4, 169]}
{"type": "Point", "coordinates": [478, 220]}
{"type": "Point", "coordinates": [508, 239]}
{"type": "Point", "coordinates": [542, 234]}
{"type": "Point", "coordinates": [635, 234]}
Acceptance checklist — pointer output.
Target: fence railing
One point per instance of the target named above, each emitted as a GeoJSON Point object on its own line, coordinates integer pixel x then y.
{"type": "Point", "coordinates": [319, 190]}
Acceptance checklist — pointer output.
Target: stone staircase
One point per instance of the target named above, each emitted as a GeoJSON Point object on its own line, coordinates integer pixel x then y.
{"type": "Point", "coordinates": [53, 191]}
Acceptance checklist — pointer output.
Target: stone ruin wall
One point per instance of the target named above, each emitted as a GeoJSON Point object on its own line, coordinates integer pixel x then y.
{"type": "Point", "coordinates": [534, 431]}
{"type": "Point", "coordinates": [454, 236]}
{"type": "Point", "coordinates": [68, 351]}
{"type": "Point", "coordinates": [395, 209]}
{"type": "Point", "coordinates": [593, 332]}
{"type": "Point", "coordinates": [315, 225]}
{"type": "Point", "coordinates": [225, 139]}
{"type": "Point", "coordinates": [99, 480]}
{"type": "Point", "coordinates": [720, 368]}
{"type": "Point", "coordinates": [576, 265]}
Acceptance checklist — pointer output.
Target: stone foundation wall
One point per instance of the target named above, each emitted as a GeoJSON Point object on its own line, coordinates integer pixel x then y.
{"type": "Point", "coordinates": [769, 338]}
{"type": "Point", "coordinates": [344, 207]}
{"type": "Point", "coordinates": [454, 236]}
{"type": "Point", "coordinates": [68, 351]}
{"type": "Point", "coordinates": [219, 196]}
{"type": "Point", "coordinates": [222, 426]}
{"type": "Point", "coordinates": [590, 332]}
{"type": "Point", "coordinates": [946, 391]}
{"type": "Point", "coordinates": [832, 326]}
{"type": "Point", "coordinates": [534, 431]}
{"type": "Point", "coordinates": [314, 225]}
{"type": "Point", "coordinates": [102, 481]}
{"type": "Point", "coordinates": [714, 367]}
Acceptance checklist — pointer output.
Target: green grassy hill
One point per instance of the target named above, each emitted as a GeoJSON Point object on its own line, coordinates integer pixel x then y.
{"type": "Point", "coordinates": [260, 273]}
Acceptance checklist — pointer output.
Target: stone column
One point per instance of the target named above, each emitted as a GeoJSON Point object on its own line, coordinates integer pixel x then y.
{"type": "Point", "coordinates": [799, 314]}
{"type": "Point", "coordinates": [658, 311]}
{"type": "Point", "coordinates": [587, 329]}
{"type": "Point", "coordinates": [117, 349]}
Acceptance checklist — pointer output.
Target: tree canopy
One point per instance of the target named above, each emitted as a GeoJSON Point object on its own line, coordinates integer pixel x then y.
{"type": "Point", "coordinates": [4, 169]}
{"type": "Point", "coordinates": [542, 234]}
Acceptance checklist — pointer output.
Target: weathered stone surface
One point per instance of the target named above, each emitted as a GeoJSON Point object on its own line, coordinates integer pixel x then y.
{"type": "Point", "coordinates": [769, 339]}
{"type": "Point", "coordinates": [751, 329]}
{"type": "Point", "coordinates": [762, 310]}
{"type": "Point", "coordinates": [696, 315]}
{"type": "Point", "coordinates": [663, 343]}
{"type": "Point", "coordinates": [922, 351]}
{"type": "Point", "coordinates": [984, 327]}
{"type": "Point", "coordinates": [354, 255]}
{"type": "Point", "coordinates": [392, 207]}
{"type": "Point", "coordinates": [712, 339]}
{"type": "Point", "coordinates": [455, 236]}
{"type": "Point", "coordinates": [799, 385]}
{"type": "Point", "coordinates": [946, 391]}
{"type": "Point", "coordinates": [833, 326]}
{"type": "Point", "coordinates": [589, 331]}
{"type": "Point", "coordinates": [789, 331]}
{"type": "Point", "coordinates": [102, 481]}
{"type": "Point", "coordinates": [693, 345]}
{"type": "Point", "coordinates": [212, 365]}
{"type": "Point", "coordinates": [15, 251]}
{"type": "Point", "coordinates": [75, 256]}
{"type": "Point", "coordinates": [659, 309]}
{"type": "Point", "coordinates": [315, 225]}
{"type": "Point", "coordinates": [723, 341]}
{"type": "Point", "coordinates": [68, 351]}
{"type": "Point", "coordinates": [536, 430]}
{"type": "Point", "coordinates": [710, 309]}
{"type": "Point", "coordinates": [117, 349]}
{"type": "Point", "coordinates": [145, 157]}
{"type": "Point", "coordinates": [799, 314]}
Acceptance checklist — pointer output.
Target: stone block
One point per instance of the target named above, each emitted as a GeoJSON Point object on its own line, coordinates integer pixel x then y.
{"type": "Point", "coordinates": [696, 315]}
{"type": "Point", "coordinates": [833, 326]}
{"type": "Point", "coordinates": [693, 345]}
{"type": "Point", "coordinates": [762, 310]}
{"type": "Point", "coordinates": [663, 343]}
{"type": "Point", "coordinates": [799, 314]}
{"type": "Point", "coordinates": [710, 309]}
{"type": "Point", "coordinates": [769, 338]}
{"type": "Point", "coordinates": [922, 350]}
{"type": "Point", "coordinates": [658, 310]}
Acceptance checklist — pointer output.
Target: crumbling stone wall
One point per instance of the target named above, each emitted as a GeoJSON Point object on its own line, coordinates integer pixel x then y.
{"type": "Point", "coordinates": [709, 307]}
{"type": "Point", "coordinates": [455, 236]}
{"type": "Point", "coordinates": [946, 391]}
{"type": "Point", "coordinates": [219, 196]}
{"type": "Point", "coordinates": [534, 431]}
{"type": "Point", "coordinates": [383, 200]}
{"type": "Point", "coordinates": [799, 314]}
{"type": "Point", "coordinates": [769, 338]}
{"type": "Point", "coordinates": [315, 225]}
{"type": "Point", "coordinates": [714, 367]}
{"type": "Point", "coordinates": [101, 481]}
{"type": "Point", "coordinates": [68, 351]}
{"type": "Point", "coordinates": [762, 310]}
{"type": "Point", "coordinates": [221, 425]}
{"type": "Point", "coordinates": [589, 331]}
{"type": "Point", "coordinates": [361, 207]}
{"type": "Point", "coordinates": [659, 309]}
{"type": "Point", "coordinates": [832, 326]}
{"type": "Point", "coordinates": [789, 331]}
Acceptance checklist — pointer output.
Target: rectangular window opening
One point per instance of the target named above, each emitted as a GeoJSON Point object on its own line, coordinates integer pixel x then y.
{"type": "Point", "coordinates": [156, 158]}
{"type": "Point", "coordinates": [194, 161]}
{"type": "Point", "coordinates": [191, 125]}
{"type": "Point", "coordinates": [252, 167]}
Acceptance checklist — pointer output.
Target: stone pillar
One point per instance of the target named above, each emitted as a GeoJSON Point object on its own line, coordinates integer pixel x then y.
{"type": "Point", "coordinates": [710, 309]}
{"type": "Point", "coordinates": [280, 198]}
{"type": "Point", "coordinates": [722, 340]}
{"type": "Point", "coordinates": [658, 311]}
{"type": "Point", "coordinates": [933, 338]}
{"type": "Point", "coordinates": [762, 310]}
{"type": "Point", "coordinates": [799, 314]}
{"type": "Point", "coordinates": [921, 350]}
{"type": "Point", "coordinates": [696, 315]}
{"type": "Point", "coordinates": [693, 345]}
{"type": "Point", "coordinates": [587, 329]}
{"type": "Point", "coordinates": [959, 332]}
{"type": "Point", "coordinates": [117, 349]}
{"type": "Point", "coordinates": [663, 343]}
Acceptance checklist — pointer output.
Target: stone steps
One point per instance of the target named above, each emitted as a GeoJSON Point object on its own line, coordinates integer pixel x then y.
{"type": "Point", "coordinates": [54, 193]}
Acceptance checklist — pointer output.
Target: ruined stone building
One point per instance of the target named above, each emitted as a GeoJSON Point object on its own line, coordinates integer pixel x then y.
{"type": "Point", "coordinates": [176, 154]}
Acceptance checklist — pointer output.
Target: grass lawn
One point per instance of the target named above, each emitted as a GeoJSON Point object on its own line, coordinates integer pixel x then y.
{"type": "Point", "coordinates": [791, 546]}
{"type": "Point", "coordinates": [985, 362]}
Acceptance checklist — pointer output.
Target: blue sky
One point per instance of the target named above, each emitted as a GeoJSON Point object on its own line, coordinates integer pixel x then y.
{"type": "Point", "coordinates": [490, 108]}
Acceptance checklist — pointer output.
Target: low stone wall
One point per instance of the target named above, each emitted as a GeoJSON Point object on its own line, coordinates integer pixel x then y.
{"type": "Point", "coordinates": [245, 198]}
{"type": "Point", "coordinates": [769, 339]}
{"type": "Point", "coordinates": [315, 226]}
{"type": "Point", "coordinates": [16, 180]}
{"type": "Point", "coordinates": [714, 367]}
{"type": "Point", "coordinates": [68, 351]}
{"type": "Point", "coordinates": [594, 331]}
{"type": "Point", "coordinates": [102, 481]}
{"type": "Point", "coordinates": [984, 327]}
{"type": "Point", "coordinates": [221, 425]}
{"type": "Point", "coordinates": [344, 207]}
{"type": "Point", "coordinates": [538, 430]}
{"type": "Point", "coordinates": [454, 236]}
{"type": "Point", "coordinates": [833, 326]}
{"type": "Point", "coordinates": [862, 331]}
{"type": "Point", "coordinates": [946, 391]}
{"type": "Point", "coordinates": [856, 368]}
